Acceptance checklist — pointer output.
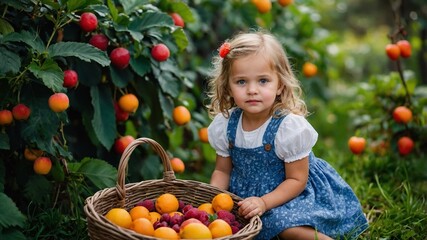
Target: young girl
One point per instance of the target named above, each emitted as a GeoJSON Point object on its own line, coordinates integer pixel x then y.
{"type": "Point", "coordinates": [263, 144]}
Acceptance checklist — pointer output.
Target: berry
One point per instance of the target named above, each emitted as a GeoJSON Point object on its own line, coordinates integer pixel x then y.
{"type": "Point", "coordinates": [88, 22]}
{"type": "Point", "coordinates": [405, 48]}
{"type": "Point", "coordinates": [393, 51]}
{"type": "Point", "coordinates": [120, 57]}
{"type": "Point", "coordinates": [177, 19]}
{"type": "Point", "coordinates": [70, 78]}
{"type": "Point", "coordinates": [99, 41]}
{"type": "Point", "coordinates": [121, 115]}
{"type": "Point", "coordinates": [160, 52]}
{"type": "Point", "coordinates": [21, 112]}
{"type": "Point", "coordinates": [405, 145]}
{"type": "Point", "coordinates": [122, 142]}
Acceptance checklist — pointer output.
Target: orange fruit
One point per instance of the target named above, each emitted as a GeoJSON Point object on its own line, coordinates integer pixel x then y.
{"type": "Point", "coordinates": [392, 51]}
{"type": "Point", "coordinates": [139, 212]}
{"type": "Point", "coordinates": [42, 165]}
{"type": "Point", "coordinates": [309, 69]}
{"type": "Point", "coordinates": [181, 115]}
{"type": "Point", "coordinates": [6, 117]}
{"type": "Point", "coordinates": [203, 134]}
{"type": "Point", "coordinates": [32, 154]}
{"type": "Point", "coordinates": [356, 144]}
{"type": "Point", "coordinates": [178, 165]}
{"type": "Point", "coordinates": [402, 114]}
{"type": "Point", "coordinates": [285, 3]}
{"type": "Point", "coordinates": [143, 226]}
{"type": "Point", "coordinates": [154, 216]}
{"type": "Point", "coordinates": [195, 230]}
{"type": "Point", "coordinates": [222, 201]}
{"type": "Point", "coordinates": [167, 203]}
{"type": "Point", "coordinates": [128, 103]}
{"type": "Point", "coordinates": [207, 207]}
{"type": "Point", "coordinates": [263, 6]}
{"type": "Point", "coordinates": [165, 233]}
{"type": "Point", "coordinates": [58, 102]}
{"type": "Point", "coordinates": [405, 145]}
{"type": "Point", "coordinates": [120, 217]}
{"type": "Point", "coordinates": [220, 228]}
{"type": "Point", "coordinates": [405, 48]}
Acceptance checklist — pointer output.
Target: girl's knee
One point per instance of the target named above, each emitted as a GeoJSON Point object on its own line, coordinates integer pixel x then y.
{"type": "Point", "coordinates": [303, 233]}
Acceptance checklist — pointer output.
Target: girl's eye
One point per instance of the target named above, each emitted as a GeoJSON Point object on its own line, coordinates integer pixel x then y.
{"type": "Point", "coordinates": [240, 82]}
{"type": "Point", "coordinates": [263, 81]}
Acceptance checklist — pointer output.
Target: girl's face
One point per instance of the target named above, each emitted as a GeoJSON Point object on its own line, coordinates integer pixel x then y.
{"type": "Point", "coordinates": [254, 85]}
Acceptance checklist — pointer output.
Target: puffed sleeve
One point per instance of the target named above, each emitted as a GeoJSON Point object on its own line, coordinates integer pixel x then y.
{"type": "Point", "coordinates": [295, 138]}
{"type": "Point", "coordinates": [217, 132]}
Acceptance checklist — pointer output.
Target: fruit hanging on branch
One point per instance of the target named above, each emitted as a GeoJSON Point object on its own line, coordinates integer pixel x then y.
{"type": "Point", "coordinates": [88, 22]}
{"type": "Point", "coordinates": [356, 144]}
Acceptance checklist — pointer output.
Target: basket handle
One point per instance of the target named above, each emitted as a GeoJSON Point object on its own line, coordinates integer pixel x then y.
{"type": "Point", "coordinates": [168, 173]}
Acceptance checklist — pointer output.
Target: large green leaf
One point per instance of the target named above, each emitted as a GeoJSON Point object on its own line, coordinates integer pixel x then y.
{"type": "Point", "coordinates": [131, 5]}
{"type": "Point", "coordinates": [83, 51]}
{"type": "Point", "coordinates": [183, 10]}
{"type": "Point", "coordinates": [31, 39]}
{"type": "Point", "coordinates": [99, 172]}
{"type": "Point", "coordinates": [104, 119]}
{"type": "Point", "coordinates": [5, 27]}
{"type": "Point", "coordinates": [50, 73]}
{"type": "Point", "coordinates": [10, 214]}
{"type": "Point", "coordinates": [168, 83]}
{"type": "Point", "coordinates": [141, 65]}
{"type": "Point", "coordinates": [149, 20]}
{"type": "Point", "coordinates": [119, 77]}
{"type": "Point", "coordinates": [11, 62]}
{"type": "Point", "coordinates": [181, 39]}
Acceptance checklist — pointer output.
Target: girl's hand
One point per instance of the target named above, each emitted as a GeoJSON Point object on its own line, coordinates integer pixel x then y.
{"type": "Point", "coordinates": [251, 206]}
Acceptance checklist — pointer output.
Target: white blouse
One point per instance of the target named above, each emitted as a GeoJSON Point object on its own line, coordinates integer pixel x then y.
{"type": "Point", "coordinates": [294, 140]}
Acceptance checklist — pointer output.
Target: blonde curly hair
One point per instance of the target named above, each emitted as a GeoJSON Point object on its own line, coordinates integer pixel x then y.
{"type": "Point", "coordinates": [245, 44]}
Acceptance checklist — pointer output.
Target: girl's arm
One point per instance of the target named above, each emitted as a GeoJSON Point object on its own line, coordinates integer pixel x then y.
{"type": "Point", "coordinates": [294, 184]}
{"type": "Point", "coordinates": [221, 175]}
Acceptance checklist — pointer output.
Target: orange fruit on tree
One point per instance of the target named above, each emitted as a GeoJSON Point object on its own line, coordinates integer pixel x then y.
{"type": "Point", "coordinates": [42, 165]}
{"type": "Point", "coordinates": [402, 114]}
{"type": "Point", "coordinates": [220, 228]}
{"type": "Point", "coordinates": [392, 51]}
{"type": "Point", "coordinates": [405, 48]}
{"type": "Point", "coordinates": [167, 203]}
{"type": "Point", "coordinates": [143, 226]}
{"type": "Point", "coordinates": [285, 3]}
{"type": "Point", "coordinates": [128, 103]}
{"type": "Point", "coordinates": [309, 69]}
{"type": "Point", "coordinates": [181, 115]}
{"type": "Point", "coordinates": [165, 233]}
{"type": "Point", "coordinates": [405, 145]}
{"type": "Point", "coordinates": [139, 212]}
{"type": "Point", "coordinates": [178, 165]}
{"type": "Point", "coordinates": [222, 201]}
{"type": "Point", "coordinates": [32, 154]}
{"type": "Point", "coordinates": [195, 230]}
{"type": "Point", "coordinates": [6, 117]}
{"type": "Point", "coordinates": [356, 144]}
{"type": "Point", "coordinates": [154, 216]}
{"type": "Point", "coordinates": [263, 6]}
{"type": "Point", "coordinates": [203, 134]}
{"type": "Point", "coordinates": [58, 102]}
{"type": "Point", "coordinates": [120, 217]}
{"type": "Point", "coordinates": [207, 207]}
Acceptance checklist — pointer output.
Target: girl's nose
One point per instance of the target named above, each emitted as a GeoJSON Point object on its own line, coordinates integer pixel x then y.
{"type": "Point", "coordinates": [252, 88]}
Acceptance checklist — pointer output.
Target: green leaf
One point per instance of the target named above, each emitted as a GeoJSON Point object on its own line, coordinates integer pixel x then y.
{"type": "Point", "coordinates": [79, 4]}
{"type": "Point", "coordinates": [50, 73]}
{"type": "Point", "coordinates": [166, 103]}
{"type": "Point", "coordinates": [38, 189]}
{"type": "Point", "coordinates": [119, 77]}
{"type": "Point", "coordinates": [168, 82]}
{"type": "Point", "coordinates": [10, 214]}
{"type": "Point", "coordinates": [83, 51]}
{"type": "Point", "coordinates": [31, 39]}
{"type": "Point", "coordinates": [149, 20]}
{"type": "Point", "coordinates": [5, 27]}
{"type": "Point", "coordinates": [98, 171]}
{"type": "Point", "coordinates": [11, 62]}
{"type": "Point", "coordinates": [113, 10]}
{"type": "Point", "coordinates": [183, 10]}
{"type": "Point", "coordinates": [131, 5]}
{"type": "Point", "coordinates": [104, 119]}
{"type": "Point", "coordinates": [181, 39]}
{"type": "Point", "coordinates": [141, 65]}
{"type": "Point", "coordinates": [4, 141]}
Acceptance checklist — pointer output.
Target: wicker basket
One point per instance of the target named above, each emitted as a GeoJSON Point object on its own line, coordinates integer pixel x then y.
{"type": "Point", "coordinates": [127, 195]}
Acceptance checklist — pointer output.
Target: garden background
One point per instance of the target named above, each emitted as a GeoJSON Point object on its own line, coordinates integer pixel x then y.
{"type": "Point", "coordinates": [353, 92]}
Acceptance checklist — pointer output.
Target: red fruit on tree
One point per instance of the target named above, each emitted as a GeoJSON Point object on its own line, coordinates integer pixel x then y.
{"type": "Point", "coordinates": [177, 19]}
{"type": "Point", "coordinates": [160, 52]}
{"type": "Point", "coordinates": [6, 117]}
{"type": "Point", "coordinates": [121, 115]}
{"type": "Point", "coordinates": [405, 145]}
{"type": "Point", "coordinates": [99, 41]}
{"type": "Point", "coordinates": [122, 142]}
{"type": "Point", "coordinates": [70, 78]}
{"type": "Point", "coordinates": [356, 144]}
{"type": "Point", "coordinates": [405, 48]}
{"type": "Point", "coordinates": [88, 22]}
{"type": "Point", "coordinates": [393, 51]}
{"type": "Point", "coordinates": [402, 114]}
{"type": "Point", "coordinates": [120, 57]}
{"type": "Point", "coordinates": [21, 112]}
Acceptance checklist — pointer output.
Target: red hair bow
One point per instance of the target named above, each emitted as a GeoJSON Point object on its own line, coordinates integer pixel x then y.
{"type": "Point", "coordinates": [224, 49]}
